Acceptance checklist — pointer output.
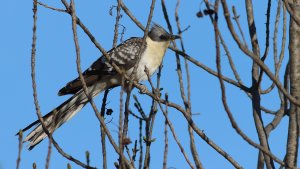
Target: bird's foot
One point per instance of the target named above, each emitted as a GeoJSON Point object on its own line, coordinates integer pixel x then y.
{"type": "Point", "coordinates": [143, 89]}
{"type": "Point", "coordinates": [157, 92]}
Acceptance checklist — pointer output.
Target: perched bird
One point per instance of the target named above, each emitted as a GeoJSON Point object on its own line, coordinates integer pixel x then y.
{"type": "Point", "coordinates": [101, 76]}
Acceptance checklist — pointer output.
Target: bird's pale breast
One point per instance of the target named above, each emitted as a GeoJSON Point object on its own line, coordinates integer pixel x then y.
{"type": "Point", "coordinates": [151, 58]}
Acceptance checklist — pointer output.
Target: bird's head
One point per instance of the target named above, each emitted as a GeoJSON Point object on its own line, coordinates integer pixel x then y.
{"type": "Point", "coordinates": [159, 34]}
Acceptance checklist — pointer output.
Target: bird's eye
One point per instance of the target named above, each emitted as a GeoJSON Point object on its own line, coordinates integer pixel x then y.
{"type": "Point", "coordinates": [163, 37]}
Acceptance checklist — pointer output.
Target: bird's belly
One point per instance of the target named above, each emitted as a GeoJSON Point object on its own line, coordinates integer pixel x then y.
{"type": "Point", "coordinates": [141, 75]}
{"type": "Point", "coordinates": [151, 64]}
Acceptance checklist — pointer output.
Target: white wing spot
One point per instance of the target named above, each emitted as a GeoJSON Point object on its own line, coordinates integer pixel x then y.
{"type": "Point", "coordinates": [122, 55]}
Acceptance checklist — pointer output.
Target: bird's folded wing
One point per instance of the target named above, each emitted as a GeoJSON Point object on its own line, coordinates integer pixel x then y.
{"type": "Point", "coordinates": [124, 55]}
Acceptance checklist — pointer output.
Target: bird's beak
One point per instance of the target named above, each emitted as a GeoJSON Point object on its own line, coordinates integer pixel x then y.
{"type": "Point", "coordinates": [173, 37]}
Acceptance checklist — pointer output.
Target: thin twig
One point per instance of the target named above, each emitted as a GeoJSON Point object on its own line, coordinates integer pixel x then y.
{"type": "Point", "coordinates": [134, 151]}
{"type": "Point", "coordinates": [141, 143]}
{"type": "Point", "coordinates": [166, 136]}
{"type": "Point", "coordinates": [283, 40]}
{"type": "Point", "coordinates": [136, 116]}
{"type": "Point", "coordinates": [176, 139]}
{"type": "Point", "coordinates": [126, 116]}
{"type": "Point", "coordinates": [52, 8]}
{"type": "Point", "coordinates": [129, 155]}
{"type": "Point", "coordinates": [267, 43]}
{"type": "Point", "coordinates": [19, 148]}
{"type": "Point", "coordinates": [149, 130]}
{"type": "Point", "coordinates": [138, 106]}
{"type": "Point", "coordinates": [87, 157]}
{"type": "Point", "coordinates": [267, 31]}
{"type": "Point", "coordinates": [131, 16]}
{"type": "Point", "coordinates": [103, 140]}
{"type": "Point", "coordinates": [116, 32]}
{"type": "Point", "coordinates": [49, 154]}
{"type": "Point", "coordinates": [274, 123]}
{"type": "Point", "coordinates": [120, 131]}
{"type": "Point", "coordinates": [281, 55]}
{"type": "Point", "coordinates": [231, 63]}
{"type": "Point", "coordinates": [237, 20]}
{"type": "Point", "coordinates": [34, 165]}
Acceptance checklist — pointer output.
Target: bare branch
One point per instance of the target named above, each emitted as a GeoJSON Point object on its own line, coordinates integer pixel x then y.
{"type": "Point", "coordinates": [166, 150]}
{"type": "Point", "coordinates": [52, 8]}
{"type": "Point", "coordinates": [116, 32]}
{"type": "Point", "coordinates": [34, 165]}
{"type": "Point", "coordinates": [87, 156]}
{"type": "Point", "coordinates": [141, 143]}
{"type": "Point", "coordinates": [103, 135]}
{"type": "Point", "coordinates": [132, 17]}
{"type": "Point", "coordinates": [19, 148]}
{"type": "Point", "coordinates": [237, 20]}
{"type": "Point", "coordinates": [48, 154]}
{"type": "Point", "coordinates": [231, 63]}
{"type": "Point", "coordinates": [267, 43]}
{"type": "Point", "coordinates": [120, 131]}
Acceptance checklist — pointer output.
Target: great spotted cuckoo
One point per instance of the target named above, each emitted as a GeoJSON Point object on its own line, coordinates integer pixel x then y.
{"type": "Point", "coordinates": [101, 76]}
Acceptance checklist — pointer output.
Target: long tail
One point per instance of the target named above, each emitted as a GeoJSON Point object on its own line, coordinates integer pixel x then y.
{"type": "Point", "coordinates": [67, 110]}
{"type": "Point", "coordinates": [56, 118]}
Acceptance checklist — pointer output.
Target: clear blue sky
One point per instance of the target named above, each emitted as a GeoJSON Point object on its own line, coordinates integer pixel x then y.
{"type": "Point", "coordinates": [55, 65]}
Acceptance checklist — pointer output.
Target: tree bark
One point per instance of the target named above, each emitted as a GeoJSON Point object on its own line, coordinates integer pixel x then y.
{"type": "Point", "coordinates": [294, 51]}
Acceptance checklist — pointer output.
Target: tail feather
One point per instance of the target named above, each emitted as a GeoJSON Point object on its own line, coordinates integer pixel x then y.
{"type": "Point", "coordinates": [66, 111]}
{"type": "Point", "coordinates": [56, 118]}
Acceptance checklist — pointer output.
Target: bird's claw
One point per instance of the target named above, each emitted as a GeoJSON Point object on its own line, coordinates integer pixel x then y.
{"type": "Point", "coordinates": [143, 89]}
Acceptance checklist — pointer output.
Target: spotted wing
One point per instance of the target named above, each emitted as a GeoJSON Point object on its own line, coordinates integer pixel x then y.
{"type": "Point", "coordinates": [124, 55]}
